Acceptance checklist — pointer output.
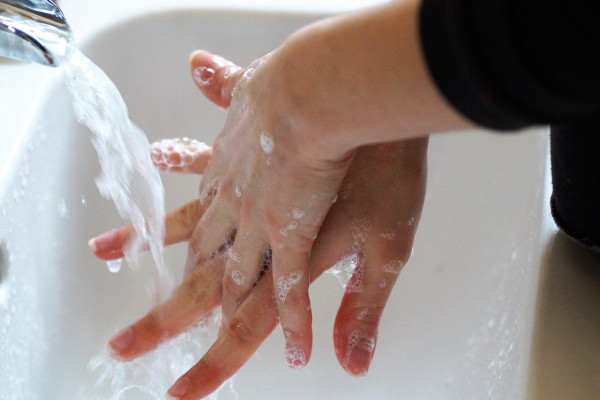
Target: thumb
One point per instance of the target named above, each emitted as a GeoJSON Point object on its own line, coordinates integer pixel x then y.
{"type": "Point", "coordinates": [215, 76]}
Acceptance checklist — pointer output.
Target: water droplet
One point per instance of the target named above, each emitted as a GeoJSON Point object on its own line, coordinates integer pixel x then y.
{"type": "Point", "coordinates": [114, 266]}
{"type": "Point", "coordinates": [292, 225]}
{"type": "Point", "coordinates": [267, 142]}
{"type": "Point", "coordinates": [298, 213]}
{"type": "Point", "coordinates": [63, 211]}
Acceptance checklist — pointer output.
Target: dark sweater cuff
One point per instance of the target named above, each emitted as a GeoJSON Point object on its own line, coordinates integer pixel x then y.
{"type": "Point", "coordinates": [454, 67]}
{"type": "Point", "coordinates": [507, 65]}
{"type": "Point", "coordinates": [574, 150]}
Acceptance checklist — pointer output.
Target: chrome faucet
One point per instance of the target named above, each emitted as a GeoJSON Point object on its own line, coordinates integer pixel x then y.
{"type": "Point", "coordinates": [33, 31]}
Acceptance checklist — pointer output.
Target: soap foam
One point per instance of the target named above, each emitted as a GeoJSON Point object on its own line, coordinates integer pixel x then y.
{"type": "Point", "coordinates": [177, 155]}
{"type": "Point", "coordinates": [393, 267]}
{"type": "Point", "coordinates": [295, 357]}
{"type": "Point", "coordinates": [238, 277]}
{"type": "Point", "coordinates": [360, 340]}
{"type": "Point", "coordinates": [286, 282]}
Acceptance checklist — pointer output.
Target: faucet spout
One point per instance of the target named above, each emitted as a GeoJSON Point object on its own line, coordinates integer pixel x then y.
{"type": "Point", "coordinates": [33, 31]}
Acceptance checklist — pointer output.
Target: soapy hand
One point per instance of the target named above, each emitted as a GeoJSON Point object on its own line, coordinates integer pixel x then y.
{"type": "Point", "coordinates": [378, 240]}
{"type": "Point", "coordinates": [264, 190]}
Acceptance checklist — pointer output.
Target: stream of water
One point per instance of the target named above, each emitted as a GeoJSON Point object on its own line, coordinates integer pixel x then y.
{"type": "Point", "coordinates": [128, 176]}
{"type": "Point", "coordinates": [130, 179]}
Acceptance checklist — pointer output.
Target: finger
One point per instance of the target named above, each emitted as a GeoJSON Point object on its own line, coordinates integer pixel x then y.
{"type": "Point", "coordinates": [291, 280]}
{"type": "Point", "coordinates": [191, 302]}
{"type": "Point", "coordinates": [215, 76]}
{"type": "Point", "coordinates": [357, 322]}
{"type": "Point", "coordinates": [180, 155]}
{"type": "Point", "coordinates": [109, 245]}
{"type": "Point", "coordinates": [179, 224]}
{"type": "Point", "coordinates": [249, 327]}
{"type": "Point", "coordinates": [212, 235]}
{"type": "Point", "coordinates": [242, 270]}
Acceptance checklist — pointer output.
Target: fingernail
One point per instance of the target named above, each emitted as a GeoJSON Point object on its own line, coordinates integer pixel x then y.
{"type": "Point", "coordinates": [193, 54]}
{"type": "Point", "coordinates": [179, 389]}
{"type": "Point", "coordinates": [359, 353]}
{"type": "Point", "coordinates": [104, 241]}
{"type": "Point", "coordinates": [121, 341]}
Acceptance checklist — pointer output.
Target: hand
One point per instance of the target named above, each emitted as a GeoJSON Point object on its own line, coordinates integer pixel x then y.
{"type": "Point", "coordinates": [296, 118]}
{"type": "Point", "coordinates": [378, 238]}
{"type": "Point", "coordinates": [263, 189]}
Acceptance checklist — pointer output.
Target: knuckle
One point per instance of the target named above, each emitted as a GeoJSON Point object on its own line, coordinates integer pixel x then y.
{"type": "Point", "coordinates": [195, 287]}
{"type": "Point", "coordinates": [188, 214]}
{"type": "Point", "coordinates": [367, 316]}
{"type": "Point", "coordinates": [152, 324]}
{"type": "Point", "coordinates": [233, 287]}
{"type": "Point", "coordinates": [241, 331]}
{"type": "Point", "coordinates": [294, 301]}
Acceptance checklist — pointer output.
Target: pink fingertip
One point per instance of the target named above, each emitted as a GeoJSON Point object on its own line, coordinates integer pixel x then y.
{"type": "Point", "coordinates": [179, 389]}
{"type": "Point", "coordinates": [295, 357]}
{"type": "Point", "coordinates": [120, 342]}
{"type": "Point", "coordinates": [178, 155]}
{"type": "Point", "coordinates": [103, 242]}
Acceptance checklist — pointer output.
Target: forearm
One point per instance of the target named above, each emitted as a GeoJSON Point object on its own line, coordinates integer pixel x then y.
{"type": "Point", "coordinates": [361, 79]}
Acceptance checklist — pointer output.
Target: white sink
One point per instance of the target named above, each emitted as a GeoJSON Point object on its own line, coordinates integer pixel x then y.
{"type": "Point", "coordinates": [459, 324]}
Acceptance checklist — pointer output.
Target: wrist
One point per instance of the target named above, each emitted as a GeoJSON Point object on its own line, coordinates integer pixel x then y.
{"type": "Point", "coordinates": [310, 94]}
{"type": "Point", "coordinates": [360, 79]}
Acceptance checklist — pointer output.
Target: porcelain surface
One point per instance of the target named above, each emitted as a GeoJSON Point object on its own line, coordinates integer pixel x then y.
{"type": "Point", "coordinates": [460, 323]}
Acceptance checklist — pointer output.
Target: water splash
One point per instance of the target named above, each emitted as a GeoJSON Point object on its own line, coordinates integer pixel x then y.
{"type": "Point", "coordinates": [128, 176]}
{"type": "Point", "coordinates": [147, 377]}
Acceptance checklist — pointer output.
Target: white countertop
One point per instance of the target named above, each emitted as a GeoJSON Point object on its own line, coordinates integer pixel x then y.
{"type": "Point", "coordinates": [22, 84]}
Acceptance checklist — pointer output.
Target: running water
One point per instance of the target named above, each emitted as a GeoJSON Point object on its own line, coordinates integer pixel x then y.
{"type": "Point", "coordinates": [149, 376]}
{"type": "Point", "coordinates": [130, 179]}
{"type": "Point", "coordinates": [128, 176]}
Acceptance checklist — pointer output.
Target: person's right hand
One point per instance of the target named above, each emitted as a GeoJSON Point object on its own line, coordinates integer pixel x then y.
{"type": "Point", "coordinates": [374, 220]}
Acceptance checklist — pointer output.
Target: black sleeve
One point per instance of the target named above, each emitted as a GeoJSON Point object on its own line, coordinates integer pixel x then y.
{"type": "Point", "coordinates": [574, 150]}
{"type": "Point", "coordinates": [507, 64]}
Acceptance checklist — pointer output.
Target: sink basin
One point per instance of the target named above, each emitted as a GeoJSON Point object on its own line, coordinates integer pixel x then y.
{"type": "Point", "coordinates": [459, 324]}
